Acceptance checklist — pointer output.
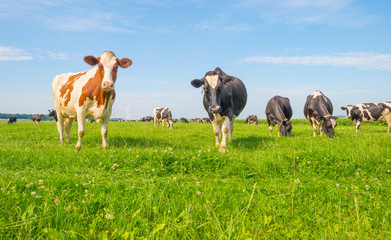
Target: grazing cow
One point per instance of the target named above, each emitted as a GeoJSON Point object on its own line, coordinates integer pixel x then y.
{"type": "Point", "coordinates": [369, 112]}
{"type": "Point", "coordinates": [52, 113]}
{"type": "Point", "coordinates": [252, 119]}
{"type": "Point", "coordinates": [197, 120]}
{"type": "Point", "coordinates": [146, 119]}
{"type": "Point", "coordinates": [183, 120]}
{"type": "Point", "coordinates": [279, 111]}
{"type": "Point", "coordinates": [12, 119]}
{"type": "Point", "coordinates": [162, 115]}
{"type": "Point", "coordinates": [224, 99]}
{"type": "Point", "coordinates": [87, 94]}
{"type": "Point", "coordinates": [205, 120]}
{"type": "Point", "coordinates": [318, 110]}
{"type": "Point", "coordinates": [37, 118]}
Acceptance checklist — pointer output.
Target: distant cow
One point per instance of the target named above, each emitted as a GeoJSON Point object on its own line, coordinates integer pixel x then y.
{"type": "Point", "coordinates": [162, 115]}
{"type": "Point", "coordinates": [279, 111]}
{"type": "Point", "coordinates": [146, 119]}
{"type": "Point", "coordinates": [205, 120]}
{"type": "Point", "coordinates": [252, 119]}
{"type": "Point", "coordinates": [318, 110]}
{"type": "Point", "coordinates": [197, 120]}
{"type": "Point", "coordinates": [87, 94]}
{"type": "Point", "coordinates": [183, 120]}
{"type": "Point", "coordinates": [53, 113]}
{"type": "Point", "coordinates": [12, 119]}
{"type": "Point", "coordinates": [369, 112]}
{"type": "Point", "coordinates": [37, 118]}
{"type": "Point", "coordinates": [224, 99]}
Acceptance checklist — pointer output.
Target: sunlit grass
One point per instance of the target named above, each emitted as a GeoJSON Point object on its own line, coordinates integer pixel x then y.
{"type": "Point", "coordinates": [159, 183]}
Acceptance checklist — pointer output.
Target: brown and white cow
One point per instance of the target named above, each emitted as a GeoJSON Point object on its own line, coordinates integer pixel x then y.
{"type": "Point", "coordinates": [369, 112]}
{"type": "Point", "coordinates": [87, 94]}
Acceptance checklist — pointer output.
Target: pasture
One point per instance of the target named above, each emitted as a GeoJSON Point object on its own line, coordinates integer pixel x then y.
{"type": "Point", "coordinates": [156, 183]}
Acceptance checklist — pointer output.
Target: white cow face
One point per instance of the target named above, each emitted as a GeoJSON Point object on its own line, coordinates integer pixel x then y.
{"type": "Point", "coordinates": [107, 68]}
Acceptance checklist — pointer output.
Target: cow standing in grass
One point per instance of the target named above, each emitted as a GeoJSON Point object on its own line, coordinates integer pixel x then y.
{"type": "Point", "coordinates": [12, 119]}
{"type": "Point", "coordinates": [53, 113]}
{"type": "Point", "coordinates": [279, 112]}
{"type": "Point", "coordinates": [252, 119]}
{"type": "Point", "coordinates": [87, 94]}
{"type": "Point", "coordinates": [369, 112]}
{"type": "Point", "coordinates": [162, 115]}
{"type": "Point", "coordinates": [224, 99]}
{"type": "Point", "coordinates": [318, 110]}
{"type": "Point", "coordinates": [37, 119]}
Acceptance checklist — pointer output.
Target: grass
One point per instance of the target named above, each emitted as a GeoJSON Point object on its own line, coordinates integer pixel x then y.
{"type": "Point", "coordinates": [155, 183]}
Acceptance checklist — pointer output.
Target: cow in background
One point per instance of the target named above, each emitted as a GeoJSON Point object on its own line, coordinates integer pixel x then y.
{"type": "Point", "coordinates": [318, 110]}
{"type": "Point", "coordinates": [183, 120]}
{"type": "Point", "coordinates": [224, 99]}
{"type": "Point", "coordinates": [252, 119]}
{"type": "Point", "coordinates": [369, 112]}
{"type": "Point", "coordinates": [53, 113]}
{"type": "Point", "coordinates": [12, 119]}
{"type": "Point", "coordinates": [37, 118]}
{"type": "Point", "coordinates": [146, 119]}
{"type": "Point", "coordinates": [87, 94]}
{"type": "Point", "coordinates": [279, 112]}
{"type": "Point", "coordinates": [206, 120]}
{"type": "Point", "coordinates": [162, 115]}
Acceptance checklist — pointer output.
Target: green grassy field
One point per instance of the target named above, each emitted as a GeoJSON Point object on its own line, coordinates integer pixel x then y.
{"type": "Point", "coordinates": [156, 183]}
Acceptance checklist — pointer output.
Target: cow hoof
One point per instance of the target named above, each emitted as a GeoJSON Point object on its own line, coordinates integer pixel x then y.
{"type": "Point", "coordinates": [77, 148]}
{"type": "Point", "coordinates": [223, 149]}
{"type": "Point", "coordinates": [104, 147]}
{"type": "Point", "coordinates": [61, 141]}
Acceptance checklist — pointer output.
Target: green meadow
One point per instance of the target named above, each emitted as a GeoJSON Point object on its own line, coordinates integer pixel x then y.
{"type": "Point", "coordinates": [155, 183]}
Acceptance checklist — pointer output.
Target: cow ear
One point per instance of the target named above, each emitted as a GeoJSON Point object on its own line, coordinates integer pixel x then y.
{"type": "Point", "coordinates": [91, 60]}
{"type": "Point", "coordinates": [197, 83]}
{"type": "Point", "coordinates": [343, 108]}
{"type": "Point", "coordinates": [228, 81]}
{"type": "Point", "coordinates": [125, 62]}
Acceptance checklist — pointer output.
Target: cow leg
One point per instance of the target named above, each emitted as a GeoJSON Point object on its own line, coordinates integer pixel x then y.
{"type": "Point", "coordinates": [358, 126]}
{"type": "Point", "coordinates": [68, 124]}
{"type": "Point", "coordinates": [225, 129]}
{"type": "Point", "coordinates": [60, 127]}
{"type": "Point", "coordinates": [216, 131]}
{"type": "Point", "coordinates": [231, 128]}
{"type": "Point", "coordinates": [104, 131]}
{"type": "Point", "coordinates": [81, 129]}
{"type": "Point", "coordinates": [314, 129]}
{"type": "Point", "coordinates": [270, 130]}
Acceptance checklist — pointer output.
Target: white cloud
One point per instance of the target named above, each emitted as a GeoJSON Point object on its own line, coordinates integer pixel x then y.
{"type": "Point", "coordinates": [13, 54]}
{"type": "Point", "coordinates": [360, 60]}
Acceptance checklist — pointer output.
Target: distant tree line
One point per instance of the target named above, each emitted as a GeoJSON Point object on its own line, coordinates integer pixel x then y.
{"type": "Point", "coordinates": [24, 116]}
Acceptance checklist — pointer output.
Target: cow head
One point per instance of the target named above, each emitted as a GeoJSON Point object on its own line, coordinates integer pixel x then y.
{"type": "Point", "coordinates": [328, 125]}
{"type": "Point", "coordinates": [214, 82]}
{"type": "Point", "coordinates": [348, 109]}
{"type": "Point", "coordinates": [107, 68]}
{"type": "Point", "coordinates": [286, 128]}
{"type": "Point", "coordinates": [52, 113]}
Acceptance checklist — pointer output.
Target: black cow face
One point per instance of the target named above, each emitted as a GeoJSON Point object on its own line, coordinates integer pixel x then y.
{"type": "Point", "coordinates": [328, 126]}
{"type": "Point", "coordinates": [286, 128]}
{"type": "Point", "coordinates": [215, 84]}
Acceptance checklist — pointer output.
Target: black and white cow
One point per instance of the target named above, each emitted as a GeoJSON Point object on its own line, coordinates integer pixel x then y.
{"type": "Point", "coordinates": [53, 113]}
{"type": "Point", "coordinates": [206, 120]}
{"type": "Point", "coordinates": [252, 119]}
{"type": "Point", "coordinates": [183, 120]}
{"type": "Point", "coordinates": [162, 115]}
{"type": "Point", "coordinates": [12, 119]}
{"type": "Point", "coordinates": [224, 99]}
{"type": "Point", "coordinates": [279, 111]}
{"type": "Point", "coordinates": [369, 112]}
{"type": "Point", "coordinates": [146, 119]}
{"type": "Point", "coordinates": [318, 109]}
{"type": "Point", "coordinates": [37, 118]}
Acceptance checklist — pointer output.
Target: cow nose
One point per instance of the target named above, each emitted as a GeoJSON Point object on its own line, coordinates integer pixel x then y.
{"type": "Point", "coordinates": [107, 85]}
{"type": "Point", "coordinates": [214, 109]}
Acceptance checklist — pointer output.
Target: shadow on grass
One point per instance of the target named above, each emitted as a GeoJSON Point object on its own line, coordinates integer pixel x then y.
{"type": "Point", "coordinates": [250, 142]}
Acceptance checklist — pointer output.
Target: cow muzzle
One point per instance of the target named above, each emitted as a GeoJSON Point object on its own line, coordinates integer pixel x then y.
{"type": "Point", "coordinates": [107, 86]}
{"type": "Point", "coordinates": [214, 109]}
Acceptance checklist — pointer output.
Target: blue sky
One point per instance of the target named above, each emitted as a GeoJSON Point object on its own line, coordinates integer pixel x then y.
{"type": "Point", "coordinates": [280, 47]}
